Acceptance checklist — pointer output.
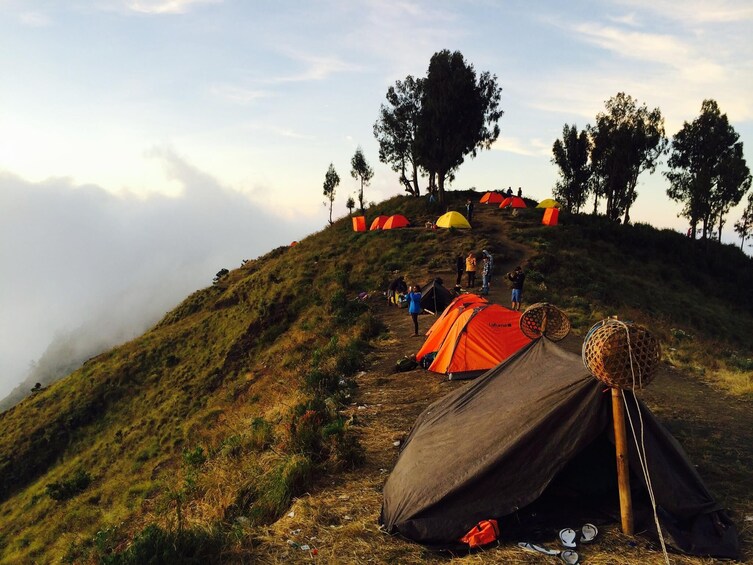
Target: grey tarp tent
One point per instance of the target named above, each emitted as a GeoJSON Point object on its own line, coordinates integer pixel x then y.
{"type": "Point", "coordinates": [502, 444]}
{"type": "Point", "coordinates": [435, 297]}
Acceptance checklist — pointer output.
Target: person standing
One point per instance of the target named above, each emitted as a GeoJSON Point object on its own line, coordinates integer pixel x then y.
{"type": "Point", "coordinates": [414, 306]}
{"type": "Point", "coordinates": [517, 277]}
{"type": "Point", "coordinates": [469, 211]}
{"type": "Point", "coordinates": [509, 191]}
{"type": "Point", "coordinates": [459, 268]}
{"type": "Point", "coordinates": [470, 269]}
{"type": "Point", "coordinates": [520, 192]}
{"type": "Point", "coordinates": [485, 269]}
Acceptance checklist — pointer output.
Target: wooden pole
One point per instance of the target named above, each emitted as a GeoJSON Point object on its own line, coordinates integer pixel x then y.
{"type": "Point", "coordinates": [623, 472]}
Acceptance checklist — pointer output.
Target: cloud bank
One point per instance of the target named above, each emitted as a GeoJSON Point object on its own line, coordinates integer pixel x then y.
{"type": "Point", "coordinates": [88, 268]}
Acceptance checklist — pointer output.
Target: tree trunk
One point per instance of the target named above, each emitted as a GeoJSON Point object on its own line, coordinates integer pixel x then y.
{"type": "Point", "coordinates": [415, 181]}
{"type": "Point", "coordinates": [360, 198]}
{"type": "Point", "coordinates": [440, 196]}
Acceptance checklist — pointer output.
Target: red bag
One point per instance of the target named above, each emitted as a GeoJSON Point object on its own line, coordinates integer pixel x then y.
{"type": "Point", "coordinates": [483, 533]}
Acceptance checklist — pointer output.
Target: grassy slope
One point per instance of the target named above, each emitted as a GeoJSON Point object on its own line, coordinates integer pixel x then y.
{"type": "Point", "coordinates": [238, 368]}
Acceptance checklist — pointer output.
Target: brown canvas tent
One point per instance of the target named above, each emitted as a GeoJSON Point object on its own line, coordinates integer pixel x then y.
{"type": "Point", "coordinates": [528, 444]}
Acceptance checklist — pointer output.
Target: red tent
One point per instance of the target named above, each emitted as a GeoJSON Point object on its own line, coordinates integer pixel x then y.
{"type": "Point", "coordinates": [359, 223]}
{"type": "Point", "coordinates": [438, 331]}
{"type": "Point", "coordinates": [396, 221]}
{"type": "Point", "coordinates": [550, 217]}
{"type": "Point", "coordinates": [378, 223]}
{"type": "Point", "coordinates": [492, 198]}
{"type": "Point", "coordinates": [513, 202]}
{"type": "Point", "coordinates": [482, 336]}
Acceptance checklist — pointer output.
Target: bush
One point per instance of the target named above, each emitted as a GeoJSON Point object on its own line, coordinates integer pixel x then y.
{"type": "Point", "coordinates": [155, 545]}
{"type": "Point", "coordinates": [69, 487]}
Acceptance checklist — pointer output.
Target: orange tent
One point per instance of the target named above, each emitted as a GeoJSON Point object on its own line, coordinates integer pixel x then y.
{"type": "Point", "coordinates": [441, 326]}
{"type": "Point", "coordinates": [396, 221]}
{"type": "Point", "coordinates": [550, 217]}
{"type": "Point", "coordinates": [359, 223]}
{"type": "Point", "coordinates": [492, 198]}
{"type": "Point", "coordinates": [378, 223]}
{"type": "Point", "coordinates": [513, 202]}
{"type": "Point", "coordinates": [481, 337]}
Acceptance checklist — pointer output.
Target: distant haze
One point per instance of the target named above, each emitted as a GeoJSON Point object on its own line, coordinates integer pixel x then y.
{"type": "Point", "coordinates": [84, 269]}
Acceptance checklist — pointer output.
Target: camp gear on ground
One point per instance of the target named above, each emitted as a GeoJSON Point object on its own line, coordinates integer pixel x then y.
{"type": "Point", "coordinates": [567, 537]}
{"type": "Point", "coordinates": [588, 533]}
{"type": "Point", "coordinates": [569, 557]}
{"type": "Point", "coordinates": [520, 442]}
{"type": "Point", "coordinates": [537, 548]}
{"type": "Point", "coordinates": [483, 533]}
{"type": "Point", "coordinates": [406, 364]}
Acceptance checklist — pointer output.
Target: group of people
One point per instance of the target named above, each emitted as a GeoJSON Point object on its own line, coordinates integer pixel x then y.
{"type": "Point", "coordinates": [399, 293]}
{"type": "Point", "coordinates": [469, 265]}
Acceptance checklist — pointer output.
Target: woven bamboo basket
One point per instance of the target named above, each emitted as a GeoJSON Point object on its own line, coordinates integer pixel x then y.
{"type": "Point", "coordinates": [544, 319]}
{"type": "Point", "coordinates": [620, 354]}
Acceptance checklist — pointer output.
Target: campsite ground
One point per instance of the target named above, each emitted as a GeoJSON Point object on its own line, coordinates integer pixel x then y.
{"type": "Point", "coordinates": [338, 520]}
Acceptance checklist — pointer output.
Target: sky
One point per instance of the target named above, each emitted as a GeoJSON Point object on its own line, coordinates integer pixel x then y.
{"type": "Point", "coordinates": [145, 144]}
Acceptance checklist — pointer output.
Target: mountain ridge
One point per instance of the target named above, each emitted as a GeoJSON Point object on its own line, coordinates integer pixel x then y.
{"type": "Point", "coordinates": [243, 389]}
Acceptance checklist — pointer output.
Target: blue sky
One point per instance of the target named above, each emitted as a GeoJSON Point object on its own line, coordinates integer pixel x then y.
{"type": "Point", "coordinates": [173, 112]}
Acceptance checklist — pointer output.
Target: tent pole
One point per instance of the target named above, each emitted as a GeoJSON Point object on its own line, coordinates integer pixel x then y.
{"type": "Point", "coordinates": [623, 476]}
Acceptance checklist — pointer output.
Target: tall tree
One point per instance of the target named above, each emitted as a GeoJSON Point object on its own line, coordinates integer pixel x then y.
{"type": "Point", "coordinates": [331, 180]}
{"type": "Point", "coordinates": [350, 204]}
{"type": "Point", "coordinates": [362, 172]}
{"type": "Point", "coordinates": [708, 173]}
{"type": "Point", "coordinates": [744, 226]}
{"type": "Point", "coordinates": [395, 131]}
{"type": "Point", "coordinates": [627, 140]}
{"type": "Point", "coordinates": [571, 156]}
{"type": "Point", "coordinates": [459, 115]}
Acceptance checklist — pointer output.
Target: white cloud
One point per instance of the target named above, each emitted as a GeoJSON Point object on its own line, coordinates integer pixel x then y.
{"type": "Point", "coordinates": [78, 255]}
{"type": "Point", "coordinates": [238, 94]}
{"type": "Point", "coordinates": [35, 19]}
{"type": "Point", "coordinates": [165, 6]}
{"type": "Point", "coordinates": [696, 11]}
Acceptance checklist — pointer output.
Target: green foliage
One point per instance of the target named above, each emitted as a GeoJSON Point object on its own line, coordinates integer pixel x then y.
{"type": "Point", "coordinates": [627, 139]}
{"type": "Point", "coordinates": [155, 545]}
{"type": "Point", "coordinates": [262, 433]}
{"type": "Point", "coordinates": [70, 486]}
{"type": "Point", "coordinates": [459, 115]}
{"type": "Point", "coordinates": [571, 156]}
{"type": "Point", "coordinates": [194, 457]}
{"type": "Point", "coordinates": [708, 173]}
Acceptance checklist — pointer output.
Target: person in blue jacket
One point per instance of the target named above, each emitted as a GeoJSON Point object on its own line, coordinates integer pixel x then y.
{"type": "Point", "coordinates": [414, 306]}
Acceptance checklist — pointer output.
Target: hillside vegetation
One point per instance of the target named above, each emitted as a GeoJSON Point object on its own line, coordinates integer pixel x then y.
{"type": "Point", "coordinates": [193, 440]}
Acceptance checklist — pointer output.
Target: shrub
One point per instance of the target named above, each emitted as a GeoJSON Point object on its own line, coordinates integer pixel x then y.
{"type": "Point", "coordinates": [262, 435]}
{"type": "Point", "coordinates": [69, 487]}
{"type": "Point", "coordinates": [155, 545]}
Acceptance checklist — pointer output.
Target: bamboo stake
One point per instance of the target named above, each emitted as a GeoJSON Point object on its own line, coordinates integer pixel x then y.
{"type": "Point", "coordinates": [623, 473]}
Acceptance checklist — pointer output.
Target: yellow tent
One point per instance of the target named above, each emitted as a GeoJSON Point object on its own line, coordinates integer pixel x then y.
{"type": "Point", "coordinates": [548, 203]}
{"type": "Point", "coordinates": [453, 220]}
